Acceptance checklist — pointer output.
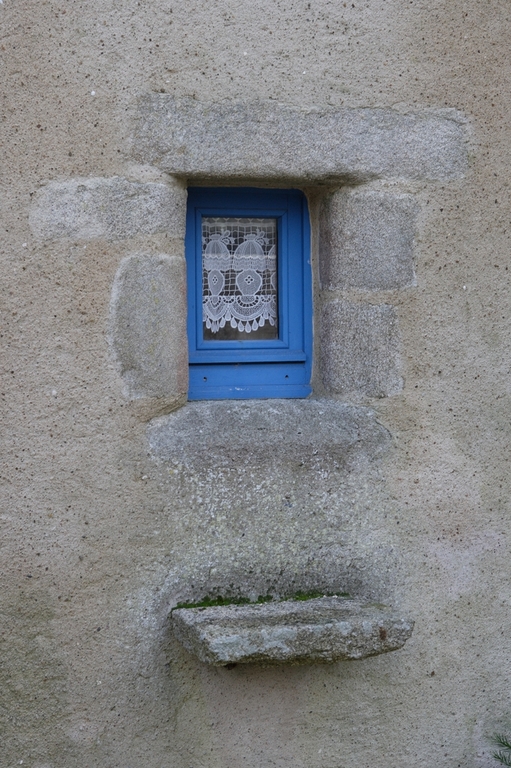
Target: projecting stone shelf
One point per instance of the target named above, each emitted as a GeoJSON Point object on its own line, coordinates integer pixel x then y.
{"type": "Point", "coordinates": [323, 629]}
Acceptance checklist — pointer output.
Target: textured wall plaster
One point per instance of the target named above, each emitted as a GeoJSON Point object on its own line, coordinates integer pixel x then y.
{"type": "Point", "coordinates": [93, 530]}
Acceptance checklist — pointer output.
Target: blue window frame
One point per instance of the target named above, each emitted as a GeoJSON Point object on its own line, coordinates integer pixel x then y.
{"type": "Point", "coordinates": [249, 293]}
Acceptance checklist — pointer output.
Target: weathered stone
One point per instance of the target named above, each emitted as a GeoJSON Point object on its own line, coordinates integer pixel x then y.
{"type": "Point", "coordinates": [277, 496]}
{"type": "Point", "coordinates": [324, 629]}
{"type": "Point", "coordinates": [112, 208]}
{"type": "Point", "coordinates": [267, 140]}
{"type": "Point", "coordinates": [251, 433]}
{"type": "Point", "coordinates": [148, 325]}
{"type": "Point", "coordinates": [360, 349]}
{"type": "Point", "coordinates": [366, 240]}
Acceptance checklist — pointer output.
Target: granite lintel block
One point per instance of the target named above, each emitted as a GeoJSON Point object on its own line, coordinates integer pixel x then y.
{"type": "Point", "coordinates": [360, 349]}
{"type": "Point", "coordinates": [148, 326]}
{"type": "Point", "coordinates": [266, 140]}
{"type": "Point", "coordinates": [325, 629]}
{"type": "Point", "coordinates": [109, 208]}
{"type": "Point", "coordinates": [367, 240]}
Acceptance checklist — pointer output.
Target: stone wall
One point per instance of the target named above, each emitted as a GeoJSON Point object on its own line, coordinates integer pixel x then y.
{"type": "Point", "coordinates": [366, 236]}
{"type": "Point", "coordinates": [390, 483]}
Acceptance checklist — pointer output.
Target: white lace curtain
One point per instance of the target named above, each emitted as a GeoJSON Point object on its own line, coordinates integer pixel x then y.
{"type": "Point", "coordinates": [239, 265]}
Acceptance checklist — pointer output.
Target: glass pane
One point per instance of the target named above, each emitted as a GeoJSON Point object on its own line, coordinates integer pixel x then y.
{"type": "Point", "coordinates": [239, 279]}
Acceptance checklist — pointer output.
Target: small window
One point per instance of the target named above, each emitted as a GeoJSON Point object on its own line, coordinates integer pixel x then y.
{"type": "Point", "coordinates": [249, 293]}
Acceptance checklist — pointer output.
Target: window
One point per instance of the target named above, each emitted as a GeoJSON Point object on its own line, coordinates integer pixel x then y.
{"type": "Point", "coordinates": [249, 293]}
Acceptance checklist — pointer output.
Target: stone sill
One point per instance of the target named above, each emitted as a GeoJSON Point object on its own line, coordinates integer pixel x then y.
{"type": "Point", "coordinates": [324, 629]}
{"type": "Point", "coordinates": [238, 433]}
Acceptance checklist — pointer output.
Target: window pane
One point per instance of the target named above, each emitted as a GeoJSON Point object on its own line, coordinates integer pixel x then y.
{"type": "Point", "coordinates": [239, 279]}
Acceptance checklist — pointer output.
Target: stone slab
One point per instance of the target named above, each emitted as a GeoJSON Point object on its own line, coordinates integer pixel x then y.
{"type": "Point", "coordinates": [366, 240]}
{"type": "Point", "coordinates": [360, 349]}
{"type": "Point", "coordinates": [148, 325]}
{"type": "Point", "coordinates": [324, 629]}
{"type": "Point", "coordinates": [110, 208]}
{"type": "Point", "coordinates": [263, 432]}
{"type": "Point", "coordinates": [267, 140]}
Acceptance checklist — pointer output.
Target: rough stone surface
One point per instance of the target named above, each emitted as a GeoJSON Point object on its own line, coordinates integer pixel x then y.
{"type": "Point", "coordinates": [258, 433]}
{"type": "Point", "coordinates": [276, 495]}
{"type": "Point", "coordinates": [366, 240]}
{"type": "Point", "coordinates": [266, 140]}
{"type": "Point", "coordinates": [99, 537]}
{"type": "Point", "coordinates": [112, 208]}
{"type": "Point", "coordinates": [323, 629]}
{"type": "Point", "coordinates": [148, 326]}
{"type": "Point", "coordinates": [360, 349]}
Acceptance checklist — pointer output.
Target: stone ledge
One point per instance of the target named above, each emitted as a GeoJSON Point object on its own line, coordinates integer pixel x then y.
{"type": "Point", "coordinates": [324, 629]}
{"type": "Point", "coordinates": [234, 433]}
{"type": "Point", "coordinates": [268, 140]}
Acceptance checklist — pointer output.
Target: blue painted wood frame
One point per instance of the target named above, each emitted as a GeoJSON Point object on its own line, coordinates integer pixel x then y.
{"type": "Point", "coordinates": [253, 369]}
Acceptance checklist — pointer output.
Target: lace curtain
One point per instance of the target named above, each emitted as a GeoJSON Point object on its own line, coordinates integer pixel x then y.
{"type": "Point", "coordinates": [239, 266]}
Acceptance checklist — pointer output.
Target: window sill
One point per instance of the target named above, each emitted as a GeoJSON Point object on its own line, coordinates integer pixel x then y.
{"type": "Point", "coordinates": [219, 432]}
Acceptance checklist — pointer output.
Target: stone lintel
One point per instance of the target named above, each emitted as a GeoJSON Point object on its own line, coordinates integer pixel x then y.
{"type": "Point", "coordinates": [325, 629]}
{"type": "Point", "coordinates": [366, 240]}
{"type": "Point", "coordinates": [271, 141]}
{"type": "Point", "coordinates": [110, 208]}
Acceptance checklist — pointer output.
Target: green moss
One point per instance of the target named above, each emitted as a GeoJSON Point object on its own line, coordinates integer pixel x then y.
{"type": "Point", "coordinates": [209, 602]}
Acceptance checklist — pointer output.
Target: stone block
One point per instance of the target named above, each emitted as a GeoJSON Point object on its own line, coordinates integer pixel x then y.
{"type": "Point", "coordinates": [113, 209]}
{"type": "Point", "coordinates": [267, 140]}
{"type": "Point", "coordinates": [250, 434]}
{"type": "Point", "coordinates": [148, 326]}
{"type": "Point", "coordinates": [324, 629]}
{"type": "Point", "coordinates": [360, 349]}
{"type": "Point", "coordinates": [366, 240]}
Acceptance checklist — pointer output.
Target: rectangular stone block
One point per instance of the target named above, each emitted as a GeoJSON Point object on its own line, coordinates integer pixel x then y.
{"type": "Point", "coordinates": [360, 349]}
{"type": "Point", "coordinates": [148, 326]}
{"type": "Point", "coordinates": [324, 629]}
{"type": "Point", "coordinates": [248, 433]}
{"type": "Point", "coordinates": [267, 140]}
{"type": "Point", "coordinates": [366, 240]}
{"type": "Point", "coordinates": [112, 208]}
